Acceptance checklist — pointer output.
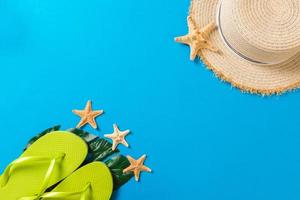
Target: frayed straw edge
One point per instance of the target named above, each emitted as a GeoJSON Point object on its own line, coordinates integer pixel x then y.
{"type": "Point", "coordinates": [247, 89]}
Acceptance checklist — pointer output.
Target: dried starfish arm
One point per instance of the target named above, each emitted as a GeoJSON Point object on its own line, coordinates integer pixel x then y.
{"type": "Point", "coordinates": [183, 39]}
{"type": "Point", "coordinates": [208, 29]}
{"type": "Point", "coordinates": [147, 169]}
{"type": "Point", "coordinates": [193, 52]}
{"type": "Point", "coordinates": [192, 24]}
{"type": "Point", "coordinates": [125, 143]}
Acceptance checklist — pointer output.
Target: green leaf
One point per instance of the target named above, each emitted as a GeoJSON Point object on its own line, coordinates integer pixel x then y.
{"type": "Point", "coordinates": [101, 149]}
{"type": "Point", "coordinates": [38, 136]}
{"type": "Point", "coordinates": [116, 165]}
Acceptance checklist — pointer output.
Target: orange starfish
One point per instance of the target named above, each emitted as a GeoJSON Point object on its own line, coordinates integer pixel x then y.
{"type": "Point", "coordinates": [118, 137]}
{"type": "Point", "coordinates": [197, 38]}
{"type": "Point", "coordinates": [88, 115]}
{"type": "Point", "coordinates": [137, 166]}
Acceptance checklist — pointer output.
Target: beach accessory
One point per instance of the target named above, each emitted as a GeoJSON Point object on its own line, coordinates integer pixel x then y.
{"type": "Point", "coordinates": [118, 137]}
{"type": "Point", "coordinates": [46, 162]}
{"type": "Point", "coordinates": [197, 38]}
{"type": "Point", "coordinates": [99, 149]}
{"type": "Point", "coordinates": [258, 42]}
{"type": "Point", "coordinates": [91, 182]}
{"type": "Point", "coordinates": [137, 166]}
{"type": "Point", "coordinates": [88, 116]}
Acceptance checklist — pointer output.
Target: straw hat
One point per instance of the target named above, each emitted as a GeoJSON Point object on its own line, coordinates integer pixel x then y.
{"type": "Point", "coordinates": [253, 44]}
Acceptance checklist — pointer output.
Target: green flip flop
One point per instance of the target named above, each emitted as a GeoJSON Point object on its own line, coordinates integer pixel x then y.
{"type": "Point", "coordinates": [91, 182]}
{"type": "Point", "coordinates": [49, 160]}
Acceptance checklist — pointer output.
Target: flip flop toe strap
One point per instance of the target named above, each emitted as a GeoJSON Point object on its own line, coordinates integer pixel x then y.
{"type": "Point", "coordinates": [84, 195]}
{"type": "Point", "coordinates": [32, 160]}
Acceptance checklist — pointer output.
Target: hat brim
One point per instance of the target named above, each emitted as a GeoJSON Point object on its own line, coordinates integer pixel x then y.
{"type": "Point", "coordinates": [227, 65]}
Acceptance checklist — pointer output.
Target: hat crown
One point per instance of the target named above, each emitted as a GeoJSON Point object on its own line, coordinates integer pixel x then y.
{"type": "Point", "coordinates": [267, 31]}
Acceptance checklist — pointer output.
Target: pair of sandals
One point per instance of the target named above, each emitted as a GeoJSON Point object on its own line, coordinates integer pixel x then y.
{"type": "Point", "coordinates": [55, 158]}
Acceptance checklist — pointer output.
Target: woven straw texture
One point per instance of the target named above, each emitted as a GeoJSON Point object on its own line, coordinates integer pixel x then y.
{"type": "Point", "coordinates": [264, 30]}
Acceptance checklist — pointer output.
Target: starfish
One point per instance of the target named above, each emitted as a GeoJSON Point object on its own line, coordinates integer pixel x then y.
{"type": "Point", "coordinates": [137, 166]}
{"type": "Point", "coordinates": [197, 39]}
{"type": "Point", "coordinates": [118, 137]}
{"type": "Point", "coordinates": [88, 115]}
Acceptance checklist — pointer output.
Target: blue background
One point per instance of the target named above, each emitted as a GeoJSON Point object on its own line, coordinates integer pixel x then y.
{"type": "Point", "coordinates": [204, 139]}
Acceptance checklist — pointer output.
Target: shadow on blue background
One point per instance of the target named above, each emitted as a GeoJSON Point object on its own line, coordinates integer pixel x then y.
{"type": "Point", "coordinates": [204, 139]}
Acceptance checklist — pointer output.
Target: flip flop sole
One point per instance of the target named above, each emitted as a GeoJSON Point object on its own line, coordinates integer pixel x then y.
{"type": "Point", "coordinates": [27, 180]}
{"type": "Point", "coordinates": [96, 174]}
